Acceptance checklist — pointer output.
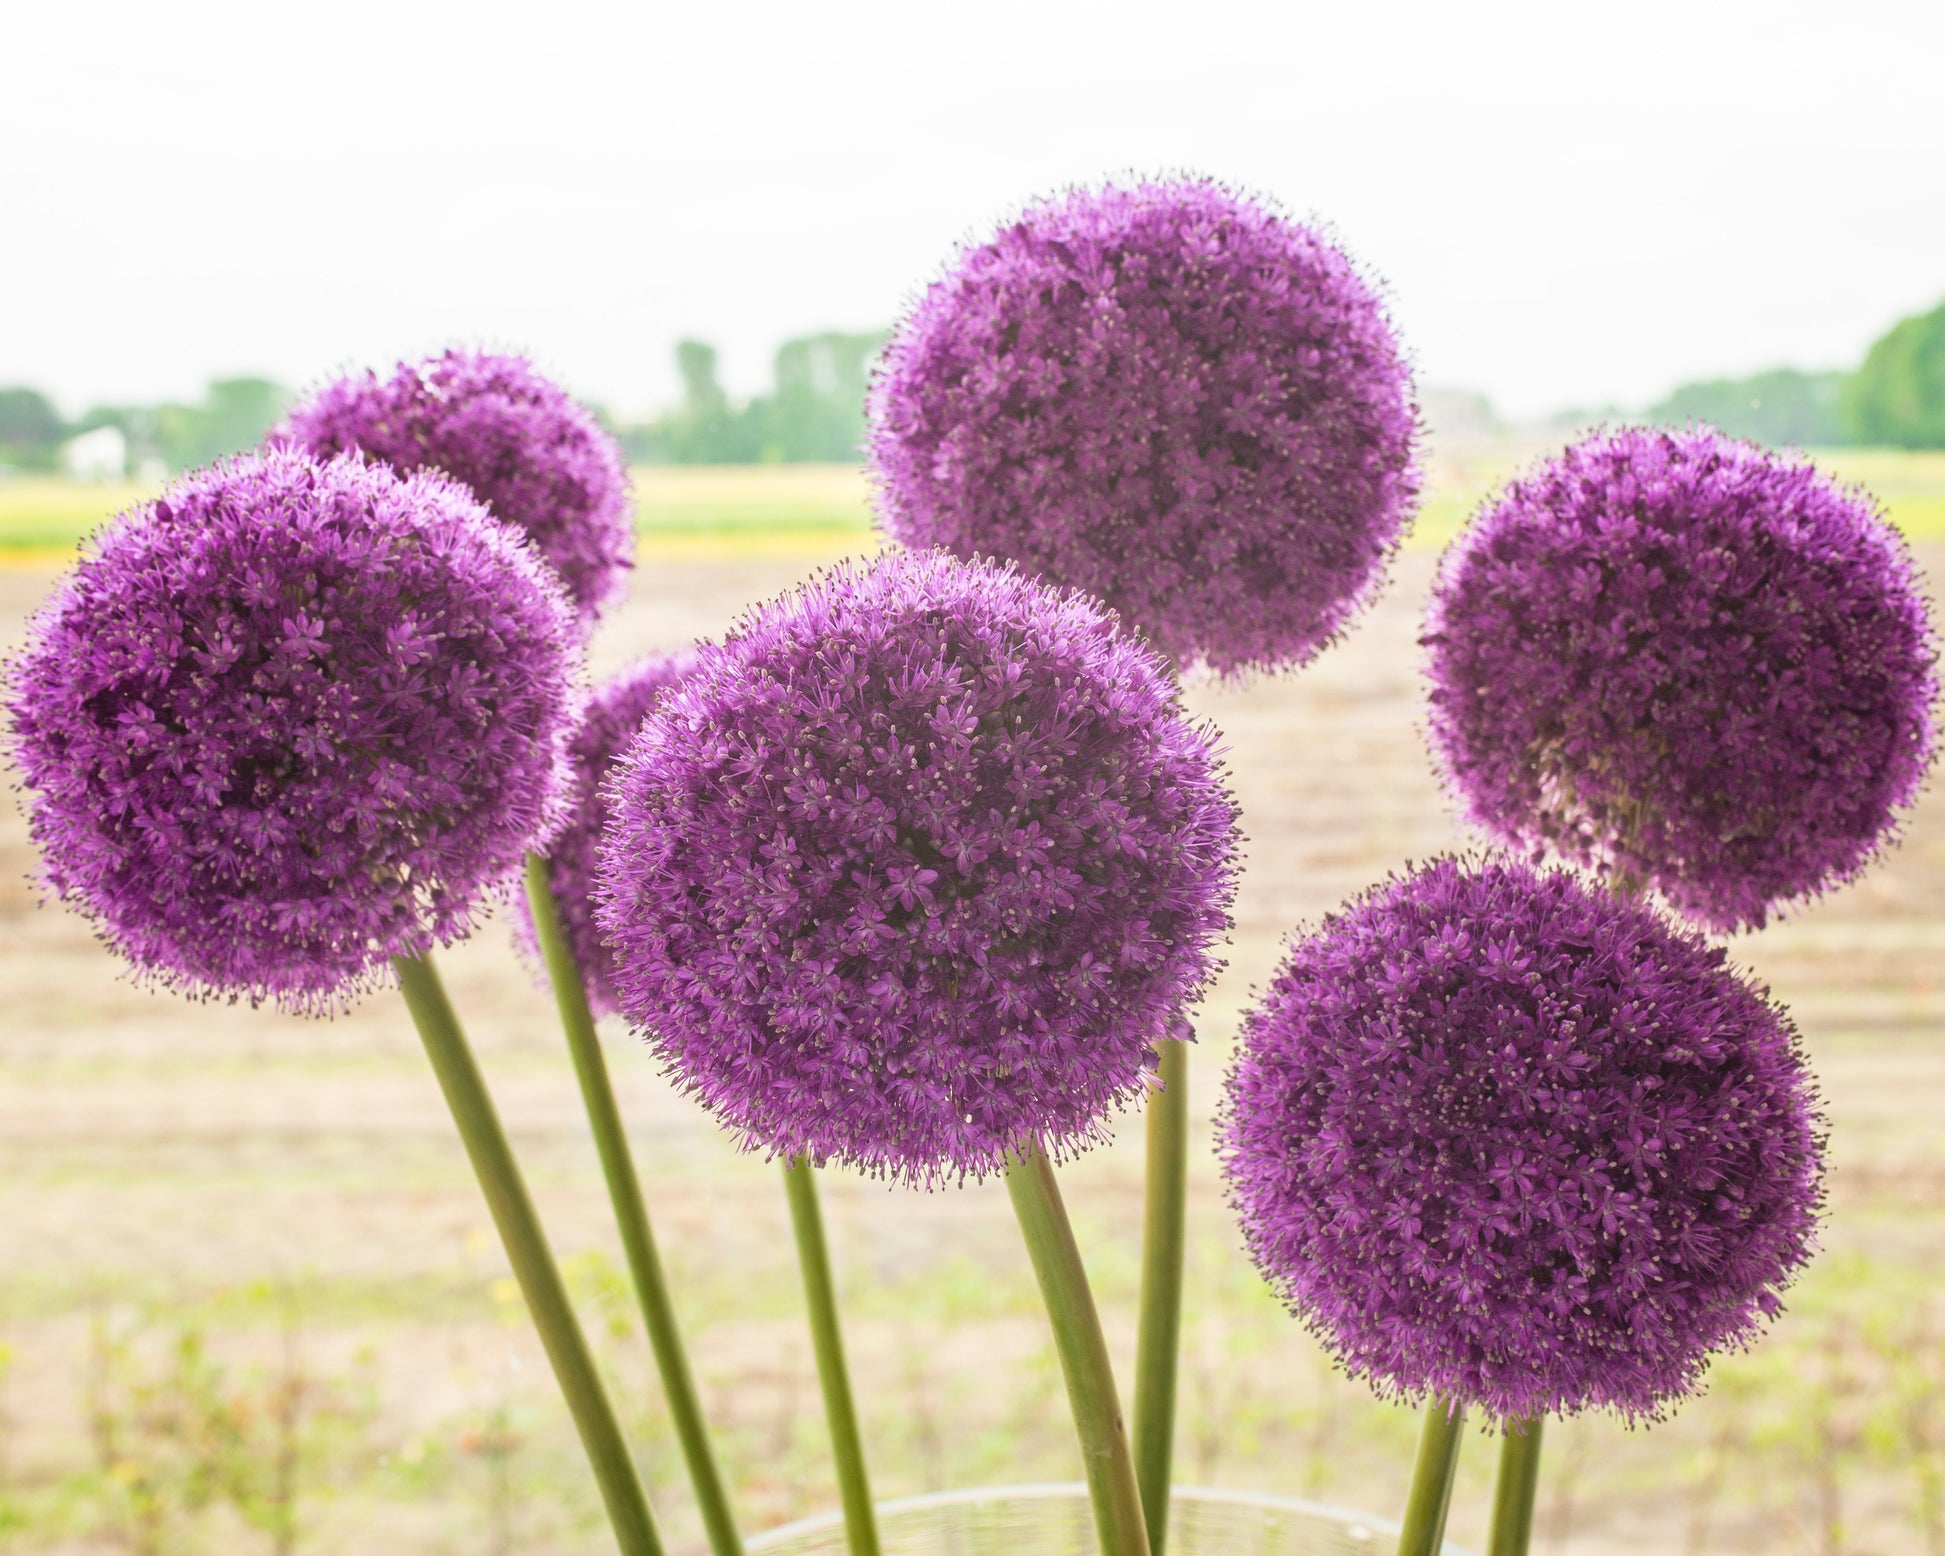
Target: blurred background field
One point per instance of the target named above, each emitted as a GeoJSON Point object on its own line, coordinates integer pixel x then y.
{"type": "Point", "coordinates": [250, 1299]}
{"type": "Point", "coordinates": [703, 512]}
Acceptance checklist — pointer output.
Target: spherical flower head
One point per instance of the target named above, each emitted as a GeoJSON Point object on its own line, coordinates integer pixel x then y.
{"type": "Point", "coordinates": [535, 458]}
{"type": "Point", "coordinates": [914, 869]}
{"type": "Point", "coordinates": [607, 725]}
{"type": "Point", "coordinates": [1169, 396]}
{"type": "Point", "coordinates": [291, 720]}
{"type": "Point", "coordinates": [1498, 1135]}
{"type": "Point", "coordinates": [1688, 661]}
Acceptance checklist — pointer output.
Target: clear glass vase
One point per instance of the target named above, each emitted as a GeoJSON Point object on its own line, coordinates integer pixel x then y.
{"type": "Point", "coordinates": [1055, 1520]}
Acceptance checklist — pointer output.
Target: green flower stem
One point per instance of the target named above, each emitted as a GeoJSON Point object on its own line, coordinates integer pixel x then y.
{"type": "Point", "coordinates": [1158, 1338]}
{"type": "Point", "coordinates": [1423, 1533]}
{"type": "Point", "coordinates": [625, 1193]}
{"type": "Point", "coordinates": [1518, 1488]}
{"type": "Point", "coordinates": [820, 1296]}
{"type": "Point", "coordinates": [1110, 1467]}
{"type": "Point", "coordinates": [527, 1250]}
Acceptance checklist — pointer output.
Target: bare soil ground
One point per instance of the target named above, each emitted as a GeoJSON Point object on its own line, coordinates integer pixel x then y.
{"type": "Point", "coordinates": [274, 1187]}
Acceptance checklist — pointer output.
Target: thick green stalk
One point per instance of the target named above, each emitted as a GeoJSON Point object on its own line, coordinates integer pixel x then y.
{"type": "Point", "coordinates": [1517, 1490]}
{"type": "Point", "coordinates": [533, 1262]}
{"type": "Point", "coordinates": [1158, 1337]}
{"type": "Point", "coordinates": [1110, 1467]}
{"type": "Point", "coordinates": [820, 1296]}
{"type": "Point", "coordinates": [1430, 1500]}
{"type": "Point", "coordinates": [631, 1213]}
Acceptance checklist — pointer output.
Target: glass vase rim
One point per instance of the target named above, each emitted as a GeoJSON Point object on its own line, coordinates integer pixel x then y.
{"type": "Point", "coordinates": [1053, 1490]}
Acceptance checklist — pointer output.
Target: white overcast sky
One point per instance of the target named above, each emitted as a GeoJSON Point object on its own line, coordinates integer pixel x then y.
{"type": "Point", "coordinates": [1572, 203]}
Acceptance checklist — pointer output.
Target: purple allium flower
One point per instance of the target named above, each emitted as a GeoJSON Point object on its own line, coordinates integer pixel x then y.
{"type": "Point", "coordinates": [292, 719]}
{"type": "Point", "coordinates": [611, 718]}
{"type": "Point", "coordinates": [1501, 1135]}
{"type": "Point", "coordinates": [915, 868]}
{"type": "Point", "coordinates": [1689, 661]}
{"type": "Point", "coordinates": [1169, 396]}
{"type": "Point", "coordinates": [533, 456]}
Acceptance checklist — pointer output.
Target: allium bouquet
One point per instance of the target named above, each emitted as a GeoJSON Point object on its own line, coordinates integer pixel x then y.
{"type": "Point", "coordinates": [920, 871]}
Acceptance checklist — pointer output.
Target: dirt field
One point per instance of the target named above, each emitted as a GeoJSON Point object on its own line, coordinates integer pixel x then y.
{"type": "Point", "coordinates": [234, 1244]}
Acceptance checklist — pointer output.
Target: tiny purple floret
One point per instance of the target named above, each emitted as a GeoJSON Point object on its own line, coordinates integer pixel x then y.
{"type": "Point", "coordinates": [1501, 1136]}
{"type": "Point", "coordinates": [1169, 396]}
{"type": "Point", "coordinates": [1688, 661]}
{"type": "Point", "coordinates": [290, 720]}
{"type": "Point", "coordinates": [539, 461]}
{"type": "Point", "coordinates": [915, 868]}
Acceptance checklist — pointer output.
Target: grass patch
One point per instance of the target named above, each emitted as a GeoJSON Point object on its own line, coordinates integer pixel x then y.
{"type": "Point", "coordinates": [45, 515]}
{"type": "Point", "coordinates": [710, 500]}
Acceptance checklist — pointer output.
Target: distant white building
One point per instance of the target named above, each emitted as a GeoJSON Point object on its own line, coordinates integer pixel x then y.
{"type": "Point", "coordinates": [101, 455]}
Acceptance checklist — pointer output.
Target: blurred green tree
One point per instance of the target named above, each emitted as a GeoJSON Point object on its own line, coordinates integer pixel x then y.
{"type": "Point", "coordinates": [31, 429]}
{"type": "Point", "coordinates": [703, 429]}
{"type": "Point", "coordinates": [1780, 407]}
{"type": "Point", "coordinates": [815, 413]}
{"type": "Point", "coordinates": [234, 416]}
{"type": "Point", "coordinates": [1897, 398]}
